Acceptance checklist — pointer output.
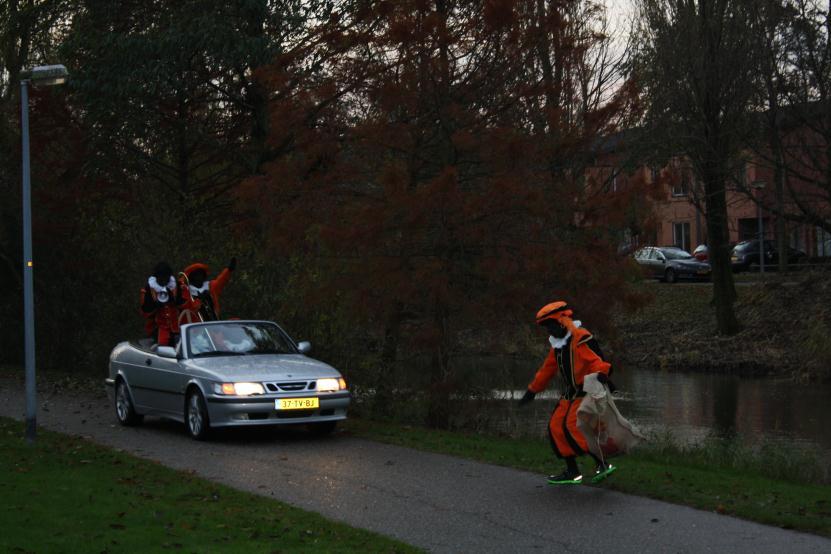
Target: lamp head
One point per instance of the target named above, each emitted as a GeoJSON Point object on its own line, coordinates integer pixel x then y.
{"type": "Point", "coordinates": [46, 75]}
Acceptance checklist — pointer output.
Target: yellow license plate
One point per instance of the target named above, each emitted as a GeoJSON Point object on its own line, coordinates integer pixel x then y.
{"type": "Point", "coordinates": [296, 403]}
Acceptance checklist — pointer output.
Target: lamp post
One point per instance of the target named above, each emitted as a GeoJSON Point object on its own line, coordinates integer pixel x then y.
{"type": "Point", "coordinates": [759, 186]}
{"type": "Point", "coordinates": [47, 75]}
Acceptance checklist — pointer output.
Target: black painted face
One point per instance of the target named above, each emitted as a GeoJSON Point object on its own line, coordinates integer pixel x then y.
{"type": "Point", "coordinates": [554, 328]}
{"type": "Point", "coordinates": [197, 278]}
{"type": "Point", "coordinates": [162, 273]}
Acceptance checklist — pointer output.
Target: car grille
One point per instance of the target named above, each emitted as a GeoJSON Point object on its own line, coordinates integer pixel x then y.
{"type": "Point", "coordinates": [294, 414]}
{"type": "Point", "coordinates": [291, 386]}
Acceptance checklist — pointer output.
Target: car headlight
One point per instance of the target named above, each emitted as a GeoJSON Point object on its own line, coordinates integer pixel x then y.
{"type": "Point", "coordinates": [239, 389]}
{"type": "Point", "coordinates": [331, 384]}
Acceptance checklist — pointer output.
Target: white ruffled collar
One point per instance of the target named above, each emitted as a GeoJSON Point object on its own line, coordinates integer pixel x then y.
{"type": "Point", "coordinates": [162, 292]}
{"type": "Point", "coordinates": [559, 343]}
{"type": "Point", "coordinates": [196, 291]}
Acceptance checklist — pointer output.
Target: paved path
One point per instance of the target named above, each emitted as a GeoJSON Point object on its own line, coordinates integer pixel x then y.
{"type": "Point", "coordinates": [440, 503]}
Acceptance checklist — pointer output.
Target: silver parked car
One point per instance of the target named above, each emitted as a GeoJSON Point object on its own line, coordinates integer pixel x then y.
{"type": "Point", "coordinates": [226, 374]}
{"type": "Point", "coordinates": [669, 264]}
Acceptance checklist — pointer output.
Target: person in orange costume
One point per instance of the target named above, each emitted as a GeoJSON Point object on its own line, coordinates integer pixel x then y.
{"type": "Point", "coordinates": [574, 354]}
{"type": "Point", "coordinates": [204, 292]}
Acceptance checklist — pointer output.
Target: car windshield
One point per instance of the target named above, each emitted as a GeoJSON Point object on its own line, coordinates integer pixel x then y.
{"type": "Point", "coordinates": [238, 339]}
{"type": "Point", "coordinates": [676, 254]}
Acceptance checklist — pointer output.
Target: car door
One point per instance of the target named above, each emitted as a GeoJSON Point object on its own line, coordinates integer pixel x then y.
{"type": "Point", "coordinates": [138, 374]}
{"type": "Point", "coordinates": [642, 259]}
{"type": "Point", "coordinates": [772, 255]}
{"type": "Point", "coordinates": [656, 263]}
{"type": "Point", "coordinates": [157, 383]}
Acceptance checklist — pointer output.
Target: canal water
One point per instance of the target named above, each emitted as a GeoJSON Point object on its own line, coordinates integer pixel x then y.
{"type": "Point", "coordinates": [693, 406]}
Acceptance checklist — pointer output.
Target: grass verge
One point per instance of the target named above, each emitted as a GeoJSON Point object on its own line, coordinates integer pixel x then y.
{"type": "Point", "coordinates": [700, 477]}
{"type": "Point", "coordinates": [66, 494]}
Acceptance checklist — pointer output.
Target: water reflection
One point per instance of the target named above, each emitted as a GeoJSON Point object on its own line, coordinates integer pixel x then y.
{"type": "Point", "coordinates": [726, 405]}
{"type": "Point", "coordinates": [693, 405]}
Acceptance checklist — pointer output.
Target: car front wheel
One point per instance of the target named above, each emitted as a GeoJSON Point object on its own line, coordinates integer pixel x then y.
{"type": "Point", "coordinates": [669, 276]}
{"type": "Point", "coordinates": [197, 421]}
{"type": "Point", "coordinates": [125, 412]}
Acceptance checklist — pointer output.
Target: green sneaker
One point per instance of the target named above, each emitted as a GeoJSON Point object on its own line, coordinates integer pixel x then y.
{"type": "Point", "coordinates": [602, 472]}
{"type": "Point", "coordinates": [565, 478]}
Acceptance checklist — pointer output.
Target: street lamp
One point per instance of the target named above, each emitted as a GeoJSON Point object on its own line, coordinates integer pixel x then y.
{"type": "Point", "coordinates": [46, 75]}
{"type": "Point", "coordinates": [759, 186]}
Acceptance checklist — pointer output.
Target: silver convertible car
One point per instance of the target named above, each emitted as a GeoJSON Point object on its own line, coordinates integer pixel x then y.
{"type": "Point", "coordinates": [226, 374]}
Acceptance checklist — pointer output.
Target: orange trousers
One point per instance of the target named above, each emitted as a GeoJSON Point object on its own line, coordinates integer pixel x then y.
{"type": "Point", "coordinates": [566, 439]}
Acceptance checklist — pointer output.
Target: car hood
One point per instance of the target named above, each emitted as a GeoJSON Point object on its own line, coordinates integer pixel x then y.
{"type": "Point", "coordinates": [690, 264]}
{"type": "Point", "coordinates": [264, 367]}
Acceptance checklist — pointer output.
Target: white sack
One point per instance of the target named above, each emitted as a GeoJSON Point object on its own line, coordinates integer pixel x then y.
{"type": "Point", "coordinates": [607, 432]}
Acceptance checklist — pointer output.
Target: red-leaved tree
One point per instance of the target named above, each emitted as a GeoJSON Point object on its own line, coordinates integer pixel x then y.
{"type": "Point", "coordinates": [432, 179]}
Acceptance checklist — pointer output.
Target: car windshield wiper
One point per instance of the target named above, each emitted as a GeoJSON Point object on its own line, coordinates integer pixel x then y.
{"type": "Point", "coordinates": [269, 351]}
{"type": "Point", "coordinates": [218, 353]}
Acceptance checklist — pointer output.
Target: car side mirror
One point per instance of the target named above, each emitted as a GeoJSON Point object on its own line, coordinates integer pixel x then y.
{"type": "Point", "coordinates": [304, 347]}
{"type": "Point", "coordinates": [166, 352]}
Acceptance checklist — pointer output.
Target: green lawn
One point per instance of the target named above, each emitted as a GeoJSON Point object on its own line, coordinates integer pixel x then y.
{"type": "Point", "coordinates": [700, 477]}
{"type": "Point", "coordinates": [66, 494]}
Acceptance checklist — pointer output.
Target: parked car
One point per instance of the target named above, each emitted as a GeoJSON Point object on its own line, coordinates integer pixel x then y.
{"type": "Point", "coordinates": [226, 374]}
{"type": "Point", "coordinates": [746, 254]}
{"type": "Point", "coordinates": [701, 253]}
{"type": "Point", "coordinates": [670, 264]}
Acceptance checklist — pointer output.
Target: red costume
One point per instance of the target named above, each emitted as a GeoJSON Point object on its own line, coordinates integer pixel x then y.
{"type": "Point", "coordinates": [159, 308]}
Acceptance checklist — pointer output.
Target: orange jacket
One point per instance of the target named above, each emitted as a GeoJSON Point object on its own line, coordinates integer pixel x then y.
{"type": "Point", "coordinates": [583, 359]}
{"type": "Point", "coordinates": [215, 285]}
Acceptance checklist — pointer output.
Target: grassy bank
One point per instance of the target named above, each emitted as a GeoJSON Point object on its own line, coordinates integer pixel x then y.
{"type": "Point", "coordinates": [785, 319]}
{"type": "Point", "coordinates": [65, 494]}
{"type": "Point", "coordinates": [717, 476]}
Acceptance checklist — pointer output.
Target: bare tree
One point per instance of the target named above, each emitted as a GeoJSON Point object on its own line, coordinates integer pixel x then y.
{"type": "Point", "coordinates": [796, 66]}
{"type": "Point", "coordinates": [696, 66]}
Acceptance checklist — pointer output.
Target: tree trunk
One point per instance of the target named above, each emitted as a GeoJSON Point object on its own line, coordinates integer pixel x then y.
{"type": "Point", "coordinates": [781, 233]}
{"type": "Point", "coordinates": [255, 94]}
{"type": "Point", "coordinates": [382, 402]}
{"type": "Point", "coordinates": [441, 386]}
{"type": "Point", "coordinates": [724, 289]}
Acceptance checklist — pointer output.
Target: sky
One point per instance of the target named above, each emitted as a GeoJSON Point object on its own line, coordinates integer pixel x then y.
{"type": "Point", "coordinates": [620, 14]}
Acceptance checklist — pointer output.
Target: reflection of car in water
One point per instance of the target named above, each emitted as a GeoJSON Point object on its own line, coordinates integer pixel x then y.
{"type": "Point", "coordinates": [670, 264]}
{"type": "Point", "coordinates": [746, 254]}
{"type": "Point", "coordinates": [227, 374]}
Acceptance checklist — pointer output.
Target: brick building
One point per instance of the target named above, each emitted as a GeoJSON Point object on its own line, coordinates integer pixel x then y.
{"type": "Point", "coordinates": [677, 220]}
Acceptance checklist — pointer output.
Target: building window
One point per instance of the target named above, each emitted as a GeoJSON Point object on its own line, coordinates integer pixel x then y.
{"type": "Point", "coordinates": [797, 239]}
{"type": "Point", "coordinates": [823, 242]}
{"type": "Point", "coordinates": [681, 235]}
{"type": "Point", "coordinates": [749, 228]}
{"type": "Point", "coordinates": [681, 187]}
{"type": "Point", "coordinates": [741, 175]}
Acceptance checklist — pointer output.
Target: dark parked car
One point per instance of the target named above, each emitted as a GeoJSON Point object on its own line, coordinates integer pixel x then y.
{"type": "Point", "coordinates": [669, 264]}
{"type": "Point", "coordinates": [746, 254]}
